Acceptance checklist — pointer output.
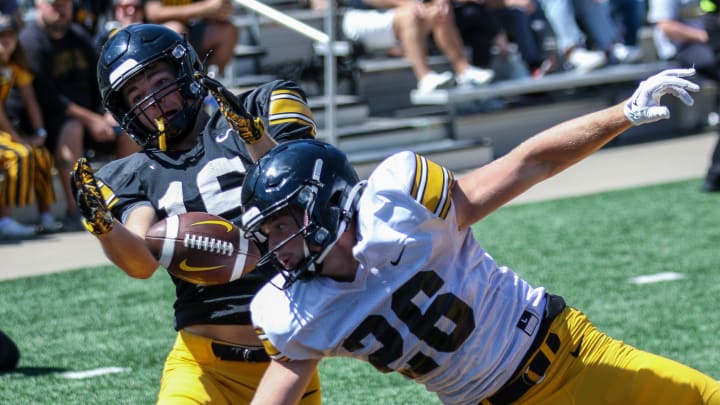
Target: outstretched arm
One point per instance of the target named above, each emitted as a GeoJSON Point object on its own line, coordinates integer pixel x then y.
{"type": "Point", "coordinates": [485, 189]}
{"type": "Point", "coordinates": [284, 382]}
{"type": "Point", "coordinates": [124, 245]}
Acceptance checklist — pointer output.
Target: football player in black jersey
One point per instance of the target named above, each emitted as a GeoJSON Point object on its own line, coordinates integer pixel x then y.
{"type": "Point", "coordinates": [153, 83]}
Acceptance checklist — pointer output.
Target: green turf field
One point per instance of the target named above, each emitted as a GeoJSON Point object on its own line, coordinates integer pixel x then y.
{"type": "Point", "coordinates": [586, 249]}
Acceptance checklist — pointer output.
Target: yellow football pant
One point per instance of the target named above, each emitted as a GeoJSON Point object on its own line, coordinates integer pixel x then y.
{"type": "Point", "coordinates": [193, 375]}
{"type": "Point", "coordinates": [27, 173]}
{"type": "Point", "coordinates": [608, 371]}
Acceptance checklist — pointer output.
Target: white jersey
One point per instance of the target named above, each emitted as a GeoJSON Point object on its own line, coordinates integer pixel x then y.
{"type": "Point", "coordinates": [427, 300]}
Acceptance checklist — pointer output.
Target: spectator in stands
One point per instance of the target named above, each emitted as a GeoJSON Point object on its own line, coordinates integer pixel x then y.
{"type": "Point", "coordinates": [125, 12]}
{"type": "Point", "coordinates": [480, 29]}
{"type": "Point", "coordinates": [62, 59]}
{"type": "Point", "coordinates": [600, 30]}
{"type": "Point", "coordinates": [207, 23]}
{"type": "Point", "coordinates": [684, 33]}
{"type": "Point", "coordinates": [630, 17]}
{"type": "Point", "coordinates": [493, 24]}
{"type": "Point", "coordinates": [385, 24]}
{"type": "Point", "coordinates": [25, 163]}
{"type": "Point", "coordinates": [91, 14]}
{"type": "Point", "coordinates": [12, 8]}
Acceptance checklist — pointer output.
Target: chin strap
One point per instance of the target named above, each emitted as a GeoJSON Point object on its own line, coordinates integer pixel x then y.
{"type": "Point", "coordinates": [162, 135]}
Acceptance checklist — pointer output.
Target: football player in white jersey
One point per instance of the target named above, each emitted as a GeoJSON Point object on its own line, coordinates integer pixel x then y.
{"type": "Point", "coordinates": [388, 271]}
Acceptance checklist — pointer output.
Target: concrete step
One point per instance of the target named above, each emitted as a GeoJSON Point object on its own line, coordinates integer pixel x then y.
{"type": "Point", "coordinates": [386, 82]}
{"type": "Point", "coordinates": [508, 127]}
{"type": "Point", "coordinates": [569, 80]}
{"type": "Point", "coordinates": [283, 44]}
{"type": "Point", "coordinates": [248, 81]}
{"type": "Point", "coordinates": [385, 134]}
{"type": "Point", "coordinates": [249, 51]}
{"type": "Point", "coordinates": [349, 110]}
{"type": "Point", "coordinates": [456, 155]}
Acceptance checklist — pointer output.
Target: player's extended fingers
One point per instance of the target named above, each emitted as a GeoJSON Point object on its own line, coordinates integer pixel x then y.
{"type": "Point", "coordinates": [661, 82]}
{"type": "Point", "coordinates": [77, 178]}
{"type": "Point", "coordinates": [657, 113]}
{"type": "Point", "coordinates": [86, 173]}
{"type": "Point", "coordinates": [682, 94]}
{"type": "Point", "coordinates": [673, 85]}
{"type": "Point", "coordinates": [679, 72]}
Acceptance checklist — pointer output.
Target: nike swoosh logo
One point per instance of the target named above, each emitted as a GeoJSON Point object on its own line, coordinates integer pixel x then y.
{"type": "Point", "coordinates": [186, 267]}
{"type": "Point", "coordinates": [396, 261]}
{"type": "Point", "coordinates": [223, 137]}
{"type": "Point", "coordinates": [226, 225]}
{"type": "Point", "coordinates": [308, 393]}
{"type": "Point", "coordinates": [576, 352]}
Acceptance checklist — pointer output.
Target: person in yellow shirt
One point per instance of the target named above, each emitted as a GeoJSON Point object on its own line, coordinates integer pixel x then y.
{"type": "Point", "coordinates": [25, 163]}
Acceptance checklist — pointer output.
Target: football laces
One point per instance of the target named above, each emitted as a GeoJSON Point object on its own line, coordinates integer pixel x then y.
{"type": "Point", "coordinates": [208, 244]}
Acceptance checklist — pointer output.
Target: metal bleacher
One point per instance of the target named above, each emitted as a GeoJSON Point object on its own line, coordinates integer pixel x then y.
{"type": "Point", "coordinates": [379, 112]}
{"type": "Point", "coordinates": [366, 136]}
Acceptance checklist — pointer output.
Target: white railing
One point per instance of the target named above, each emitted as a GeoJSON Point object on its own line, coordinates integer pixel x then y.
{"type": "Point", "coordinates": [326, 39]}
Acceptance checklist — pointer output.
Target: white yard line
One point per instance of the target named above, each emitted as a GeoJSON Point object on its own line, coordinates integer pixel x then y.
{"type": "Point", "coordinates": [656, 278]}
{"type": "Point", "coordinates": [96, 372]}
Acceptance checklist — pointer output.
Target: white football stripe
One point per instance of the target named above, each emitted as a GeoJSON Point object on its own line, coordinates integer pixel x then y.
{"type": "Point", "coordinates": [656, 278]}
{"type": "Point", "coordinates": [240, 258]}
{"type": "Point", "coordinates": [172, 227]}
{"type": "Point", "coordinates": [78, 375]}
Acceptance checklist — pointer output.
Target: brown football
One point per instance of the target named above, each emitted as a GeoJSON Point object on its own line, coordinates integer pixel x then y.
{"type": "Point", "coordinates": [201, 248]}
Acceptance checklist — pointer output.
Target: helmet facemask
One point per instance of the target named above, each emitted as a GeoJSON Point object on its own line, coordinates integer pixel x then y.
{"type": "Point", "coordinates": [319, 226]}
{"type": "Point", "coordinates": [134, 49]}
{"type": "Point", "coordinates": [164, 132]}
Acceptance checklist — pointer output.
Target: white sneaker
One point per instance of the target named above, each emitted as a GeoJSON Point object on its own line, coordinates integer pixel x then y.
{"type": "Point", "coordinates": [474, 76]}
{"type": "Point", "coordinates": [626, 53]}
{"type": "Point", "coordinates": [433, 81]}
{"type": "Point", "coordinates": [583, 60]}
{"type": "Point", "coordinates": [48, 224]}
{"type": "Point", "coordinates": [11, 229]}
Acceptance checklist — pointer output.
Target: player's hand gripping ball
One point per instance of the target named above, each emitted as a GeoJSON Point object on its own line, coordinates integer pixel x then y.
{"type": "Point", "coordinates": [201, 248]}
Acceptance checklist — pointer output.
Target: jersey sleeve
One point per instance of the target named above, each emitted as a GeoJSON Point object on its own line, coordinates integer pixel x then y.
{"type": "Point", "coordinates": [283, 106]}
{"type": "Point", "coordinates": [120, 187]}
{"type": "Point", "coordinates": [423, 180]}
{"type": "Point", "coordinates": [406, 201]}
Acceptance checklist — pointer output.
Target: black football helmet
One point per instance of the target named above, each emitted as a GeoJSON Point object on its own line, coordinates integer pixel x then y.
{"type": "Point", "coordinates": [310, 175]}
{"type": "Point", "coordinates": [129, 51]}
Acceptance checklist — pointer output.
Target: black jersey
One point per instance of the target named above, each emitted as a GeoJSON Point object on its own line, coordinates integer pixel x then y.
{"type": "Point", "coordinates": [207, 178]}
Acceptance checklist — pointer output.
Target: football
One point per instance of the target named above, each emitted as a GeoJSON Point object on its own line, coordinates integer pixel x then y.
{"type": "Point", "coordinates": [201, 248]}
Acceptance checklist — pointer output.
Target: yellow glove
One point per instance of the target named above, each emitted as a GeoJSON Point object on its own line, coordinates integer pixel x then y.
{"type": "Point", "coordinates": [250, 128]}
{"type": "Point", "coordinates": [96, 216]}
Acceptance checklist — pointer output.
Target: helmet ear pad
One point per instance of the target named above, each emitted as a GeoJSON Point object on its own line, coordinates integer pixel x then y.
{"type": "Point", "coordinates": [134, 49]}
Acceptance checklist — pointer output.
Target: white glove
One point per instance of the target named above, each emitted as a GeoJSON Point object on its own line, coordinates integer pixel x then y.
{"type": "Point", "coordinates": [644, 105]}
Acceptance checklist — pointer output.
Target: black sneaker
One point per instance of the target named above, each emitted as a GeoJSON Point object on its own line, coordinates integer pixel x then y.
{"type": "Point", "coordinates": [710, 187]}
